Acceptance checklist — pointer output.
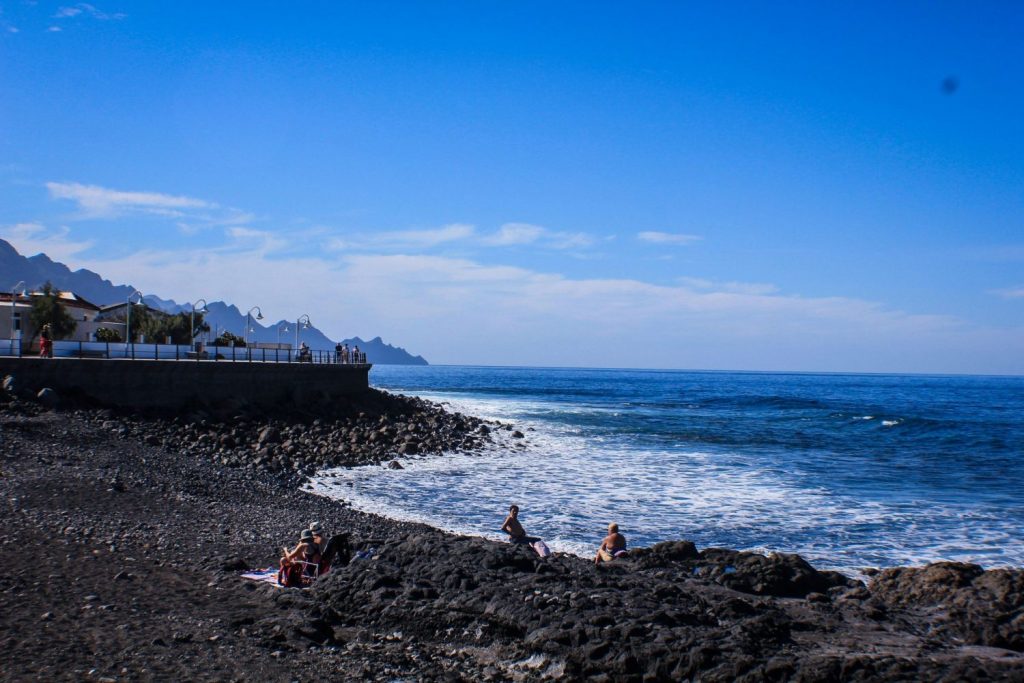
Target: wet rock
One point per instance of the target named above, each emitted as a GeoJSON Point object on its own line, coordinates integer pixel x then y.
{"type": "Point", "coordinates": [47, 397]}
{"type": "Point", "coordinates": [395, 465]}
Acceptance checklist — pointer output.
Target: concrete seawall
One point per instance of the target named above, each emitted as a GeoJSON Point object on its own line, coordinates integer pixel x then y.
{"type": "Point", "coordinates": [175, 384]}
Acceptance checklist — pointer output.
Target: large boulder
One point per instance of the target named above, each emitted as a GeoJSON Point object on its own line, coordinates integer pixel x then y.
{"type": "Point", "coordinates": [981, 607]}
{"type": "Point", "coordinates": [48, 397]}
{"type": "Point", "coordinates": [778, 574]}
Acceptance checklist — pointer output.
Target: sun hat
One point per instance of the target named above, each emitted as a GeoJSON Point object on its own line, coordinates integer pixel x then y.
{"type": "Point", "coordinates": [317, 528]}
{"type": "Point", "coordinates": [306, 535]}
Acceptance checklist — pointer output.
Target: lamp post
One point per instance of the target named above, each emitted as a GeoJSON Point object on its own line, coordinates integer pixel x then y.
{"type": "Point", "coordinates": [128, 317]}
{"type": "Point", "coordinates": [279, 331]}
{"type": "Point", "coordinates": [301, 324]}
{"type": "Point", "coordinates": [192, 322]}
{"type": "Point", "coordinates": [248, 321]}
{"type": "Point", "coordinates": [14, 295]}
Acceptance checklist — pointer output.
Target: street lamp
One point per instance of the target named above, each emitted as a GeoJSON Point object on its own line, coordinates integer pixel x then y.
{"type": "Point", "coordinates": [192, 321]}
{"type": "Point", "coordinates": [128, 316]}
{"type": "Point", "coordinates": [301, 324]}
{"type": "Point", "coordinates": [279, 331]}
{"type": "Point", "coordinates": [14, 295]}
{"type": "Point", "coordinates": [248, 321]}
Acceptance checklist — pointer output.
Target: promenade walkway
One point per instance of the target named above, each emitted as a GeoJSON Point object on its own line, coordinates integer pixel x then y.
{"type": "Point", "coordinates": [178, 352]}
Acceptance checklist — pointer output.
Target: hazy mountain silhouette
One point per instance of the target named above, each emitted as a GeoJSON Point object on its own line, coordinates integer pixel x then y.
{"type": "Point", "coordinates": [35, 270]}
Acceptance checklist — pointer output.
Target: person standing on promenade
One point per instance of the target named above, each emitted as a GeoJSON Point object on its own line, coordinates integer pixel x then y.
{"type": "Point", "coordinates": [45, 342]}
{"type": "Point", "coordinates": [613, 545]}
{"type": "Point", "coordinates": [338, 348]}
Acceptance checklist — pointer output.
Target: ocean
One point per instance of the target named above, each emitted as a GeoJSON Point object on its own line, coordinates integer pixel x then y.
{"type": "Point", "coordinates": [849, 471]}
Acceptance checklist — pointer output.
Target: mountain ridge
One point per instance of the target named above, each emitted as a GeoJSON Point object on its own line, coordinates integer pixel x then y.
{"type": "Point", "coordinates": [221, 316]}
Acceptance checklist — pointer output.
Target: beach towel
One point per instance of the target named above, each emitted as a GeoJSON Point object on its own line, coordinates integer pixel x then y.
{"type": "Point", "coordinates": [541, 548]}
{"type": "Point", "coordinates": [268, 575]}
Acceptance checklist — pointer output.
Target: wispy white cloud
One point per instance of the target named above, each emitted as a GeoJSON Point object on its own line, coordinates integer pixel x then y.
{"type": "Point", "coordinates": [429, 237]}
{"type": "Point", "coordinates": [464, 235]}
{"type": "Point", "coordinates": [458, 310]}
{"type": "Point", "coordinates": [101, 202]}
{"type": "Point", "coordinates": [35, 238]}
{"type": "Point", "coordinates": [85, 9]}
{"type": "Point", "coordinates": [733, 287]}
{"type": "Point", "coordinates": [570, 240]}
{"type": "Point", "coordinates": [1010, 293]}
{"type": "Point", "coordinates": [189, 214]}
{"type": "Point", "coordinates": [514, 233]}
{"type": "Point", "coordinates": [54, 29]}
{"type": "Point", "coordinates": [667, 237]}
{"type": "Point", "coordinates": [401, 239]}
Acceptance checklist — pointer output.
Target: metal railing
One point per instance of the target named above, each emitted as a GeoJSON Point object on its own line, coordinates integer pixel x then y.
{"type": "Point", "coordinates": [178, 352]}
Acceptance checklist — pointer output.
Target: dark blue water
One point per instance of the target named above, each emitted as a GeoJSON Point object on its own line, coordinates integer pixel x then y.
{"type": "Point", "coordinates": [849, 470]}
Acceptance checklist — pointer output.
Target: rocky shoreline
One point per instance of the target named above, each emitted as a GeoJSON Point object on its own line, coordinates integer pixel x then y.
{"type": "Point", "coordinates": [124, 536]}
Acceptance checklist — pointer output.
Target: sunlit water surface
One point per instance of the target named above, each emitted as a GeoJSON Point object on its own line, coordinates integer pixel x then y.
{"type": "Point", "coordinates": [850, 471]}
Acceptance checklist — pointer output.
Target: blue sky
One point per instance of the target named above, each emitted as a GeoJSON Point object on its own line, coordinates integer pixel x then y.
{"type": "Point", "coordinates": [726, 186]}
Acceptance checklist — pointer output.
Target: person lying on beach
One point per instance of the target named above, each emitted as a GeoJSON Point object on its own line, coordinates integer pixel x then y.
{"type": "Point", "coordinates": [613, 545]}
{"type": "Point", "coordinates": [300, 565]}
{"type": "Point", "coordinates": [512, 527]}
{"type": "Point", "coordinates": [331, 547]}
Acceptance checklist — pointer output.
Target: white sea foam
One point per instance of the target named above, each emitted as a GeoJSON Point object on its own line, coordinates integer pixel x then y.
{"type": "Point", "coordinates": [570, 486]}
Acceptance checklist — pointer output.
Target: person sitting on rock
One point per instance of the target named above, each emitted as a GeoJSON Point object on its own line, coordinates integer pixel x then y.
{"type": "Point", "coordinates": [613, 545]}
{"type": "Point", "coordinates": [333, 549]}
{"type": "Point", "coordinates": [300, 566]}
{"type": "Point", "coordinates": [512, 527]}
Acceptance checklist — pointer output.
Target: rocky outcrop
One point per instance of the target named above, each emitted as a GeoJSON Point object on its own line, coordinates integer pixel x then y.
{"type": "Point", "coordinates": [647, 618]}
{"type": "Point", "coordinates": [962, 600]}
{"type": "Point", "coordinates": [376, 431]}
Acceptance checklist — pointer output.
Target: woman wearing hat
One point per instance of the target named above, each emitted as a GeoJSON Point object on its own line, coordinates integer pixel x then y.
{"type": "Point", "coordinates": [300, 566]}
